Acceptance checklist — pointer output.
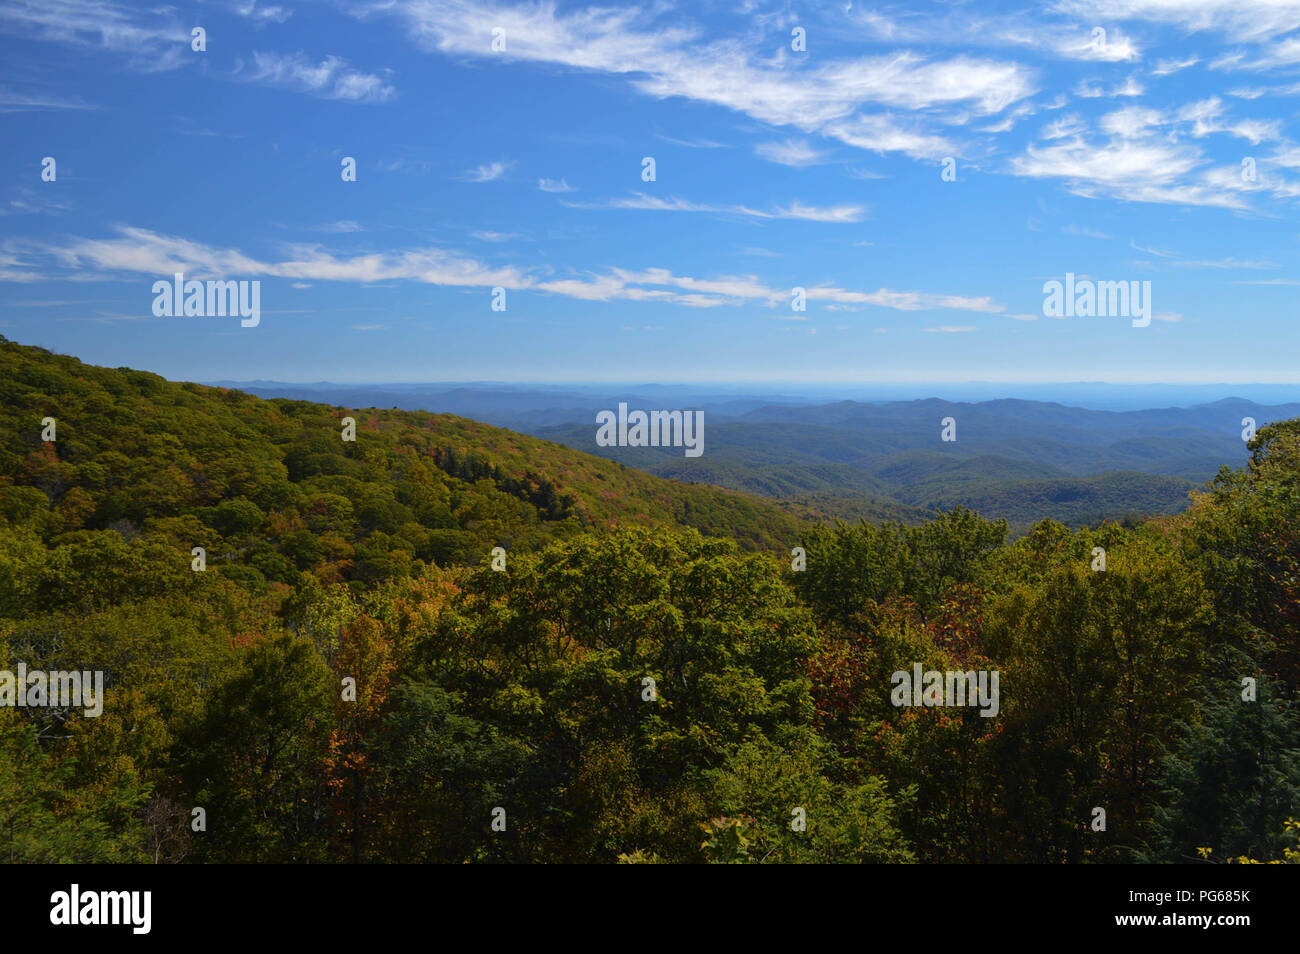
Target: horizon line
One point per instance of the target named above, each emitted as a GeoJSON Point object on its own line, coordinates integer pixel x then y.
{"type": "Point", "coordinates": [768, 382]}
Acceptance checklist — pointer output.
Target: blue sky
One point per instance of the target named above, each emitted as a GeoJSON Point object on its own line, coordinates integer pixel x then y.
{"type": "Point", "coordinates": [1105, 139]}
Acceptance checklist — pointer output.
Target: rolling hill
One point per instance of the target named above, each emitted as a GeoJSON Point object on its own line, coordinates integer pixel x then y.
{"type": "Point", "coordinates": [140, 454]}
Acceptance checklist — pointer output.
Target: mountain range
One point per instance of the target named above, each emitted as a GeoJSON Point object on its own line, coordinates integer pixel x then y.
{"type": "Point", "coordinates": [1014, 458]}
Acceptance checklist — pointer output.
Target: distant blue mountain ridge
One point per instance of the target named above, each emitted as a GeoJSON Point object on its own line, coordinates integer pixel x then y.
{"type": "Point", "coordinates": [1020, 459]}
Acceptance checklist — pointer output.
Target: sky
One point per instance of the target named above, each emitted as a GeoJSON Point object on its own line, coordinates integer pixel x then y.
{"type": "Point", "coordinates": [919, 170]}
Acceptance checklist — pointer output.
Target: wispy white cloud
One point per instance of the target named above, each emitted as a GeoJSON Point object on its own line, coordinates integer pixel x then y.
{"type": "Point", "coordinates": [555, 185]}
{"type": "Point", "coordinates": [1064, 127]}
{"type": "Point", "coordinates": [1207, 116]}
{"type": "Point", "coordinates": [1146, 158]}
{"type": "Point", "coordinates": [795, 210]}
{"type": "Point", "coordinates": [136, 251]}
{"type": "Point", "coordinates": [1098, 44]}
{"type": "Point", "coordinates": [693, 143]}
{"type": "Point", "coordinates": [16, 101]}
{"type": "Point", "coordinates": [1092, 89]}
{"type": "Point", "coordinates": [963, 25]}
{"type": "Point", "coordinates": [902, 300]}
{"type": "Point", "coordinates": [1137, 171]}
{"type": "Point", "coordinates": [29, 201]}
{"type": "Point", "coordinates": [1131, 122]}
{"type": "Point", "coordinates": [331, 78]}
{"type": "Point", "coordinates": [1157, 252]}
{"type": "Point", "coordinates": [791, 152]}
{"type": "Point", "coordinates": [665, 60]}
{"type": "Point", "coordinates": [884, 133]}
{"type": "Point", "coordinates": [486, 172]}
{"type": "Point", "coordinates": [263, 14]}
{"type": "Point", "coordinates": [1172, 258]}
{"type": "Point", "coordinates": [1167, 67]}
{"type": "Point", "coordinates": [1241, 20]}
{"type": "Point", "coordinates": [417, 167]}
{"type": "Point", "coordinates": [151, 39]}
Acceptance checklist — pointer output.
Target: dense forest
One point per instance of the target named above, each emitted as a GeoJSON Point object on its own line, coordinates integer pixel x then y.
{"type": "Point", "coordinates": [447, 642]}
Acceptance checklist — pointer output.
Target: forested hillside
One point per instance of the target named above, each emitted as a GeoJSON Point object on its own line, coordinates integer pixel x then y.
{"type": "Point", "coordinates": [137, 452]}
{"type": "Point", "coordinates": [647, 674]}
